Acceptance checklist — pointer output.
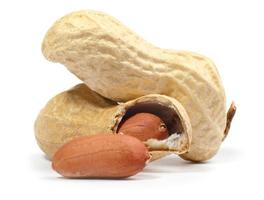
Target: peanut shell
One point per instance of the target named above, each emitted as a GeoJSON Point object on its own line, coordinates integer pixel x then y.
{"type": "Point", "coordinates": [80, 111]}
{"type": "Point", "coordinates": [119, 65]}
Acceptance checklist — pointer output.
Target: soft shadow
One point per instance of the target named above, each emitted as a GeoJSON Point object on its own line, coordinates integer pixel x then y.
{"type": "Point", "coordinates": [228, 155]}
{"type": "Point", "coordinates": [40, 162]}
{"type": "Point", "coordinates": [138, 177]}
{"type": "Point", "coordinates": [143, 176]}
{"type": "Point", "coordinates": [174, 164]}
{"type": "Point", "coordinates": [46, 158]}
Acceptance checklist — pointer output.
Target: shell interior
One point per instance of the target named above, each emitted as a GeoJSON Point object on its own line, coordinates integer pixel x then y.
{"type": "Point", "coordinates": [177, 139]}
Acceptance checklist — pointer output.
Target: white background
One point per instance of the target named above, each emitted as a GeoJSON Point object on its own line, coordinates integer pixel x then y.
{"type": "Point", "coordinates": [229, 32]}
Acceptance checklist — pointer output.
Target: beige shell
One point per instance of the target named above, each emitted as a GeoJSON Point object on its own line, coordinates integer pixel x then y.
{"type": "Point", "coordinates": [80, 111]}
{"type": "Point", "coordinates": [119, 65]}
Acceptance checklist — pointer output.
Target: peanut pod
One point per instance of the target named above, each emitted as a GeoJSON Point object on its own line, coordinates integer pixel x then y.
{"type": "Point", "coordinates": [81, 111]}
{"type": "Point", "coordinates": [119, 65]}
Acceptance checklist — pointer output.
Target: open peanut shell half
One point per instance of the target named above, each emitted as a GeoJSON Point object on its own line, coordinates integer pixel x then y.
{"type": "Point", "coordinates": [172, 114]}
{"type": "Point", "coordinates": [81, 111]}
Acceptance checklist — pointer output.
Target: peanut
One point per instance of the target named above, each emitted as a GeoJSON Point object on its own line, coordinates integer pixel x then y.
{"type": "Point", "coordinates": [119, 65]}
{"type": "Point", "coordinates": [144, 126]}
{"type": "Point", "coordinates": [101, 156]}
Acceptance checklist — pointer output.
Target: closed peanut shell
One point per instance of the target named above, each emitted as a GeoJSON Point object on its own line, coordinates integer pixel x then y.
{"type": "Point", "coordinates": [119, 65]}
{"type": "Point", "coordinates": [101, 156]}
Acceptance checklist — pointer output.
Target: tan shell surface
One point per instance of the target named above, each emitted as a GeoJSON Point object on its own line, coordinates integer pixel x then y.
{"type": "Point", "coordinates": [81, 111]}
{"type": "Point", "coordinates": [75, 112]}
{"type": "Point", "coordinates": [119, 65]}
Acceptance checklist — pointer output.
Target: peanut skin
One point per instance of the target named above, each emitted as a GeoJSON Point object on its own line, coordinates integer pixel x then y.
{"type": "Point", "coordinates": [101, 156]}
{"type": "Point", "coordinates": [144, 126]}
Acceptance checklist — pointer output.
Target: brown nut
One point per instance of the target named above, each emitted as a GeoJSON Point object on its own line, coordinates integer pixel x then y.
{"type": "Point", "coordinates": [101, 156]}
{"type": "Point", "coordinates": [144, 126]}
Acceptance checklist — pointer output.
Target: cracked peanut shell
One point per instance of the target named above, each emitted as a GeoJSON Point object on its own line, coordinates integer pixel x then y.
{"type": "Point", "coordinates": [80, 111]}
